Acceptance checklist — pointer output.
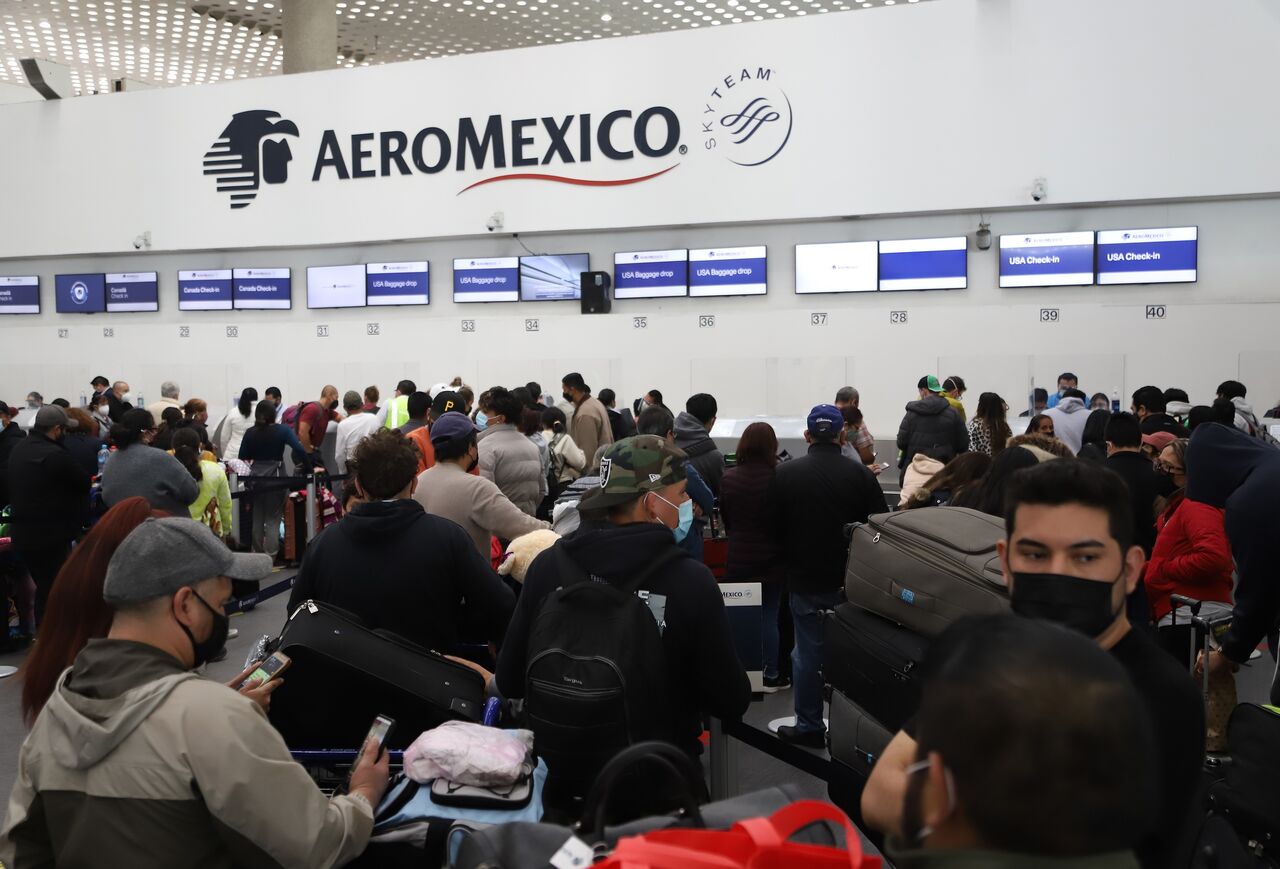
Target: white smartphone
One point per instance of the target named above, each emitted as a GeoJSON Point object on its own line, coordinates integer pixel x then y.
{"type": "Point", "coordinates": [378, 732]}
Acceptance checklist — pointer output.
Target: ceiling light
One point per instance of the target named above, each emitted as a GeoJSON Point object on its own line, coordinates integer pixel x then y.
{"type": "Point", "coordinates": [606, 17]}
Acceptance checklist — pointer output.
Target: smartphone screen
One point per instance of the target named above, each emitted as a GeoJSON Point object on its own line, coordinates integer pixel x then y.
{"type": "Point", "coordinates": [378, 732]}
{"type": "Point", "coordinates": [268, 669]}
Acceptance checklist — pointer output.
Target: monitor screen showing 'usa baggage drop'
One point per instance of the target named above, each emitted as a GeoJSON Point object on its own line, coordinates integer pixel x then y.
{"type": "Point", "coordinates": [496, 279]}
{"type": "Point", "coordinates": [397, 283]}
{"type": "Point", "coordinates": [924, 264]}
{"type": "Point", "coordinates": [261, 289]}
{"type": "Point", "coordinates": [20, 294]}
{"type": "Point", "coordinates": [728, 271]}
{"type": "Point", "coordinates": [1059, 259]}
{"type": "Point", "coordinates": [650, 274]}
{"type": "Point", "coordinates": [208, 290]}
{"type": "Point", "coordinates": [1147, 256]}
{"type": "Point", "coordinates": [132, 291]}
{"type": "Point", "coordinates": [844, 267]}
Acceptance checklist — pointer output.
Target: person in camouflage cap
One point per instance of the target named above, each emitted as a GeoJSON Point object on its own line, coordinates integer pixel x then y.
{"type": "Point", "coordinates": [633, 467]}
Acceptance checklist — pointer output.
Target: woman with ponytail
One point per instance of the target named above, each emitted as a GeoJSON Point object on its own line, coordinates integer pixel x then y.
{"type": "Point", "coordinates": [137, 469]}
{"type": "Point", "coordinates": [239, 420]}
{"type": "Point", "coordinates": [213, 505]}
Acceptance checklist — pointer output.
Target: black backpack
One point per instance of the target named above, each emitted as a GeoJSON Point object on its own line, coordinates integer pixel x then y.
{"type": "Point", "coordinates": [595, 681]}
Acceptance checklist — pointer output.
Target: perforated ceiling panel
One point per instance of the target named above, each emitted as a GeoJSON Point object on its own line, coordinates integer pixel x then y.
{"type": "Point", "coordinates": [169, 42]}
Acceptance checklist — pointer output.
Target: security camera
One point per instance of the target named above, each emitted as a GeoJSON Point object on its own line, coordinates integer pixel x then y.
{"type": "Point", "coordinates": [982, 238]}
{"type": "Point", "coordinates": [142, 241]}
{"type": "Point", "coordinates": [1039, 190]}
{"type": "Point", "coordinates": [495, 222]}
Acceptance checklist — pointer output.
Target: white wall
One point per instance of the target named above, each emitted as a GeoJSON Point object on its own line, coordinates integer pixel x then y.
{"type": "Point", "coordinates": [943, 106]}
{"type": "Point", "coordinates": [762, 356]}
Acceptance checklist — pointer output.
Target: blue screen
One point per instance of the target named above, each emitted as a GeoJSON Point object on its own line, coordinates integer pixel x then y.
{"type": "Point", "coordinates": [208, 290]}
{"type": "Point", "coordinates": [1060, 259]}
{"type": "Point", "coordinates": [79, 294]}
{"type": "Point", "coordinates": [20, 295]}
{"type": "Point", "coordinates": [496, 279]}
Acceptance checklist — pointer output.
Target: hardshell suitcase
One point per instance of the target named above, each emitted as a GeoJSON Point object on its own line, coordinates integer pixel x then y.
{"type": "Point", "coordinates": [874, 662]}
{"type": "Point", "coordinates": [856, 742]}
{"type": "Point", "coordinates": [344, 674]}
{"type": "Point", "coordinates": [925, 569]}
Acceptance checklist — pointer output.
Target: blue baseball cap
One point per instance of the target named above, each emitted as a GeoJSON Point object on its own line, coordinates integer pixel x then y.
{"type": "Point", "coordinates": [451, 426]}
{"type": "Point", "coordinates": [826, 420]}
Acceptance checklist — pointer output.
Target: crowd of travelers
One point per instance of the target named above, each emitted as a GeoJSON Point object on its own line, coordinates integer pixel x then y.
{"type": "Point", "coordinates": [1070, 731]}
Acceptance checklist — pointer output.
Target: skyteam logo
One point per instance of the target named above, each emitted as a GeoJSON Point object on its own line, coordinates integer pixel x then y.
{"type": "Point", "coordinates": [79, 293]}
{"type": "Point", "coordinates": [747, 117]}
{"type": "Point", "coordinates": [249, 152]}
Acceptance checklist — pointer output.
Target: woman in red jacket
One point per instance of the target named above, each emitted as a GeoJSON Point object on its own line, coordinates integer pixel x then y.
{"type": "Point", "coordinates": [1191, 555]}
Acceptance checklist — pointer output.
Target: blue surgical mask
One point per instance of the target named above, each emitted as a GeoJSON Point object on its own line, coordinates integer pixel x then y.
{"type": "Point", "coordinates": [482, 421]}
{"type": "Point", "coordinates": [681, 531]}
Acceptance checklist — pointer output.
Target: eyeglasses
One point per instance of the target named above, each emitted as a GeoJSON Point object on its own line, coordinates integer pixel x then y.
{"type": "Point", "coordinates": [1162, 465]}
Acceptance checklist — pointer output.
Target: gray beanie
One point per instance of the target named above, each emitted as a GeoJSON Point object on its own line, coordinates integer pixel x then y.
{"type": "Point", "coordinates": [161, 556]}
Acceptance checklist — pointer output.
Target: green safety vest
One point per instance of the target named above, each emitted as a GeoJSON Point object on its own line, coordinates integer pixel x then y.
{"type": "Point", "coordinates": [397, 412]}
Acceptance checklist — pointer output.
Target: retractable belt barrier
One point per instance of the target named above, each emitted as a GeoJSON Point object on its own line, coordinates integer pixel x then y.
{"type": "Point", "coordinates": [726, 737]}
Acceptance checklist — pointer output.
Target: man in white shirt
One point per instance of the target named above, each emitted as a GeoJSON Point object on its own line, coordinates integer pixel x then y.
{"type": "Point", "coordinates": [355, 428]}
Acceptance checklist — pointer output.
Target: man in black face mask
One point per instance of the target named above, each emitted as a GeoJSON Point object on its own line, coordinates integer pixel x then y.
{"type": "Point", "coordinates": [1070, 558]}
{"type": "Point", "coordinates": [137, 761]}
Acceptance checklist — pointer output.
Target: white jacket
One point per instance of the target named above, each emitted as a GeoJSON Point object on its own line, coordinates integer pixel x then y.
{"type": "Point", "coordinates": [566, 455]}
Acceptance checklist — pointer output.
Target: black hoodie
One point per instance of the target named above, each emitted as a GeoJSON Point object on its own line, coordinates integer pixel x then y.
{"type": "Point", "coordinates": [1229, 469]}
{"type": "Point", "coordinates": [703, 671]}
{"type": "Point", "coordinates": [399, 568]}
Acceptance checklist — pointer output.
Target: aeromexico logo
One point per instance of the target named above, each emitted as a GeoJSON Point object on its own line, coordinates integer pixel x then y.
{"type": "Point", "coordinates": [747, 118]}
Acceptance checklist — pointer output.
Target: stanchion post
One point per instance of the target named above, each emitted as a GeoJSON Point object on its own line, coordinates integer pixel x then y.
{"type": "Point", "coordinates": [311, 507]}
{"type": "Point", "coordinates": [724, 762]}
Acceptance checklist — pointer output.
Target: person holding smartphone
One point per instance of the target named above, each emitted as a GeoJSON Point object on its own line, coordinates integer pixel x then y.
{"type": "Point", "coordinates": [220, 787]}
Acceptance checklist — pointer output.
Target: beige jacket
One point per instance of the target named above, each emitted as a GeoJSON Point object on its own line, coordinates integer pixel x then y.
{"type": "Point", "coordinates": [475, 503]}
{"type": "Point", "coordinates": [919, 472]}
{"type": "Point", "coordinates": [137, 762]}
{"type": "Point", "coordinates": [590, 427]}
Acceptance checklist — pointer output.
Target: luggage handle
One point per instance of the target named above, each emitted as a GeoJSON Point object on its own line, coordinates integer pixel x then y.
{"type": "Point", "coordinates": [666, 757]}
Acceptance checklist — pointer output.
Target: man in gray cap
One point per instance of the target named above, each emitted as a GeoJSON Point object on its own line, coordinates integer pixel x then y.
{"type": "Point", "coordinates": [49, 494]}
{"type": "Point", "coordinates": [137, 761]}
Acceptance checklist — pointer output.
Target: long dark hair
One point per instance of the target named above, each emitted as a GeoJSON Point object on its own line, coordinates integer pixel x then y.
{"type": "Point", "coordinates": [77, 611]}
{"type": "Point", "coordinates": [129, 430]}
{"type": "Point", "coordinates": [961, 473]}
{"type": "Point", "coordinates": [264, 414]}
{"type": "Point", "coordinates": [1033, 427]}
{"type": "Point", "coordinates": [992, 410]}
{"type": "Point", "coordinates": [554, 419]}
{"type": "Point", "coordinates": [1095, 428]}
{"type": "Point", "coordinates": [248, 396]}
{"type": "Point", "coordinates": [758, 445]}
{"type": "Point", "coordinates": [989, 495]}
{"type": "Point", "coordinates": [186, 449]}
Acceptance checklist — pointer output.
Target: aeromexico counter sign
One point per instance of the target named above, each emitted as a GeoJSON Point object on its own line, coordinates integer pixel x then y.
{"type": "Point", "coordinates": [746, 119]}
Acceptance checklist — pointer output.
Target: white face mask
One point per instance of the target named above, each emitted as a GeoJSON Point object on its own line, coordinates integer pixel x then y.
{"type": "Point", "coordinates": [926, 830]}
{"type": "Point", "coordinates": [128, 396]}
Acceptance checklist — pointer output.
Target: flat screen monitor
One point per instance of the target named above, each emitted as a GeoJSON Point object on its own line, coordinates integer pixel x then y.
{"type": "Point", "coordinates": [728, 271]}
{"type": "Point", "coordinates": [650, 274]}
{"type": "Point", "coordinates": [844, 267]}
{"type": "Point", "coordinates": [132, 291]}
{"type": "Point", "coordinates": [556, 278]}
{"type": "Point", "coordinates": [79, 294]}
{"type": "Point", "coordinates": [208, 290]}
{"type": "Point", "coordinates": [261, 289]}
{"type": "Point", "coordinates": [20, 294]}
{"type": "Point", "coordinates": [1058, 259]}
{"type": "Point", "coordinates": [335, 286]}
{"type": "Point", "coordinates": [496, 279]}
{"type": "Point", "coordinates": [397, 283]}
{"type": "Point", "coordinates": [925, 264]}
{"type": "Point", "coordinates": [1147, 256]}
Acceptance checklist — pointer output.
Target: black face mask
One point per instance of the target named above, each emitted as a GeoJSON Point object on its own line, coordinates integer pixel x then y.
{"type": "Point", "coordinates": [566, 396]}
{"type": "Point", "coordinates": [206, 650]}
{"type": "Point", "coordinates": [1083, 605]}
{"type": "Point", "coordinates": [333, 405]}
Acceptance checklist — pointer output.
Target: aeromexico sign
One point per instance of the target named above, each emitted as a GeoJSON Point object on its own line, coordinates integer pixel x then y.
{"type": "Point", "coordinates": [746, 118]}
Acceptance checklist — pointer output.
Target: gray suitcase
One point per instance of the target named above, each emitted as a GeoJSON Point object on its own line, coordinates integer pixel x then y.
{"type": "Point", "coordinates": [924, 569]}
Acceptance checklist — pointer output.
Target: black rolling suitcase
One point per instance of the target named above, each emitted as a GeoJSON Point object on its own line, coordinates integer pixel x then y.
{"type": "Point", "coordinates": [874, 662]}
{"type": "Point", "coordinates": [1243, 826]}
{"type": "Point", "coordinates": [344, 674]}
{"type": "Point", "coordinates": [857, 741]}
